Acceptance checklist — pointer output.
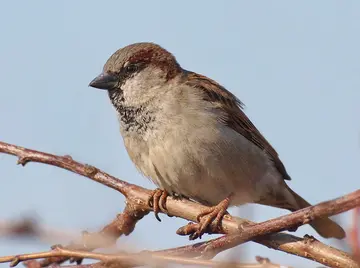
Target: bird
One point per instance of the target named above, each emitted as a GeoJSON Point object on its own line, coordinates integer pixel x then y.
{"type": "Point", "coordinates": [192, 138]}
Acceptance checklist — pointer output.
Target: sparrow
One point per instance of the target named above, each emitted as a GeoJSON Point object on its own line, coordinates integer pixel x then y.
{"type": "Point", "coordinates": [191, 137]}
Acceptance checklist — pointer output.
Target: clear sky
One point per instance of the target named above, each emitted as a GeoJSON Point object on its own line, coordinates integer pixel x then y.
{"type": "Point", "coordinates": [294, 64]}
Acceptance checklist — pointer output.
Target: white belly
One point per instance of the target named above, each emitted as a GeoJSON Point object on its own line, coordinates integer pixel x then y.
{"type": "Point", "coordinates": [206, 164]}
{"type": "Point", "coordinates": [189, 152]}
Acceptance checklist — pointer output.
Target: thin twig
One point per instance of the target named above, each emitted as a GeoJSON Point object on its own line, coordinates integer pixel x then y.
{"type": "Point", "coordinates": [123, 224]}
{"type": "Point", "coordinates": [29, 227]}
{"type": "Point", "coordinates": [127, 260]}
{"type": "Point", "coordinates": [295, 219]}
{"type": "Point", "coordinates": [66, 162]}
{"type": "Point", "coordinates": [354, 234]}
{"type": "Point", "coordinates": [185, 209]}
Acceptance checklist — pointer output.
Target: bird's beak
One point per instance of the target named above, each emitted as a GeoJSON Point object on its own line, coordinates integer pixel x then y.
{"type": "Point", "coordinates": [104, 81]}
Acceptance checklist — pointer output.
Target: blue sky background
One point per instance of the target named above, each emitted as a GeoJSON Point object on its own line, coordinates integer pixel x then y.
{"type": "Point", "coordinates": [294, 64]}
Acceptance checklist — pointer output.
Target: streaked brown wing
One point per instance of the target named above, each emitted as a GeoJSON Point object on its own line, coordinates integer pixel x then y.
{"type": "Point", "coordinates": [236, 118]}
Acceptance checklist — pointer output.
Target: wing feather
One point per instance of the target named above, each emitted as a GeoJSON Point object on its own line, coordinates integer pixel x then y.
{"type": "Point", "coordinates": [235, 116]}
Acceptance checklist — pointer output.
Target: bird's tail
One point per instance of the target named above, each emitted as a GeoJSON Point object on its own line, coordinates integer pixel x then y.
{"type": "Point", "coordinates": [324, 226]}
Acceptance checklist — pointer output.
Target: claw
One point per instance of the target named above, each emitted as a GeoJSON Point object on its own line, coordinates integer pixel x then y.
{"type": "Point", "coordinates": [162, 201]}
{"type": "Point", "coordinates": [157, 200]}
{"type": "Point", "coordinates": [210, 215]}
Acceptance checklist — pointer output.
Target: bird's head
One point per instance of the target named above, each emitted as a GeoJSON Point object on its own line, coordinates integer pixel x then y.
{"type": "Point", "coordinates": [137, 73]}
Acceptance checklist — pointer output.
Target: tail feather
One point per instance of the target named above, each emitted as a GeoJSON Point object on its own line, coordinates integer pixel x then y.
{"type": "Point", "coordinates": [325, 227]}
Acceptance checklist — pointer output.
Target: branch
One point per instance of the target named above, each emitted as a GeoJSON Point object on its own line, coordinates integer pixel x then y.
{"type": "Point", "coordinates": [66, 162]}
{"type": "Point", "coordinates": [128, 260]}
{"type": "Point", "coordinates": [354, 235]}
{"type": "Point", "coordinates": [106, 237]}
{"type": "Point", "coordinates": [123, 224]}
{"type": "Point", "coordinates": [186, 209]}
{"type": "Point", "coordinates": [30, 228]}
{"type": "Point", "coordinates": [289, 221]}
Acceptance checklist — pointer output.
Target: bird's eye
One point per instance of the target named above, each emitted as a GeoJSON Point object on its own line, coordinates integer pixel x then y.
{"type": "Point", "coordinates": [131, 68]}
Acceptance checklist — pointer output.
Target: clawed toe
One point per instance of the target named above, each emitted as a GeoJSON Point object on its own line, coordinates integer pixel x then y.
{"type": "Point", "coordinates": [157, 200]}
{"type": "Point", "coordinates": [209, 216]}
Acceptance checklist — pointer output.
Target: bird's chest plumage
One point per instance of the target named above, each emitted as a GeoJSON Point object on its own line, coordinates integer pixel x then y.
{"type": "Point", "coordinates": [188, 151]}
{"type": "Point", "coordinates": [134, 121]}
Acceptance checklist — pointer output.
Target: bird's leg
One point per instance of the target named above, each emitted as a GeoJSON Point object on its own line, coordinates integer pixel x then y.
{"type": "Point", "coordinates": [157, 200]}
{"type": "Point", "coordinates": [211, 215]}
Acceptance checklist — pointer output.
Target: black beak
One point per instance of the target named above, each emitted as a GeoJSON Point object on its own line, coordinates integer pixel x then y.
{"type": "Point", "coordinates": [104, 81]}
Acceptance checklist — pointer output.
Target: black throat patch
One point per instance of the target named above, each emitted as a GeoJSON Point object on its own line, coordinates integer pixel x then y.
{"type": "Point", "coordinates": [132, 119]}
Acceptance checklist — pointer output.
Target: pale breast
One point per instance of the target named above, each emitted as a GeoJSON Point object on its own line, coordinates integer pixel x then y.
{"type": "Point", "coordinates": [190, 152]}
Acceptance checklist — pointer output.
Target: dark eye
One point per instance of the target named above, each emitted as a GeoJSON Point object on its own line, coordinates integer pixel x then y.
{"type": "Point", "coordinates": [131, 68]}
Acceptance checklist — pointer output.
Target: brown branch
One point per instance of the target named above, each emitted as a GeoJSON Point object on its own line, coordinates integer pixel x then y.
{"type": "Point", "coordinates": [262, 263]}
{"type": "Point", "coordinates": [66, 162]}
{"type": "Point", "coordinates": [127, 260]}
{"type": "Point", "coordinates": [295, 219]}
{"type": "Point", "coordinates": [354, 234]}
{"type": "Point", "coordinates": [23, 227]}
{"type": "Point", "coordinates": [29, 227]}
{"type": "Point", "coordinates": [105, 238]}
{"type": "Point", "coordinates": [189, 210]}
{"type": "Point", "coordinates": [123, 224]}
{"type": "Point", "coordinates": [307, 247]}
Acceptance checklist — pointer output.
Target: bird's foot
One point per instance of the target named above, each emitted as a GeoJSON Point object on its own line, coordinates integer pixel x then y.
{"type": "Point", "coordinates": [157, 200]}
{"type": "Point", "coordinates": [209, 216]}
